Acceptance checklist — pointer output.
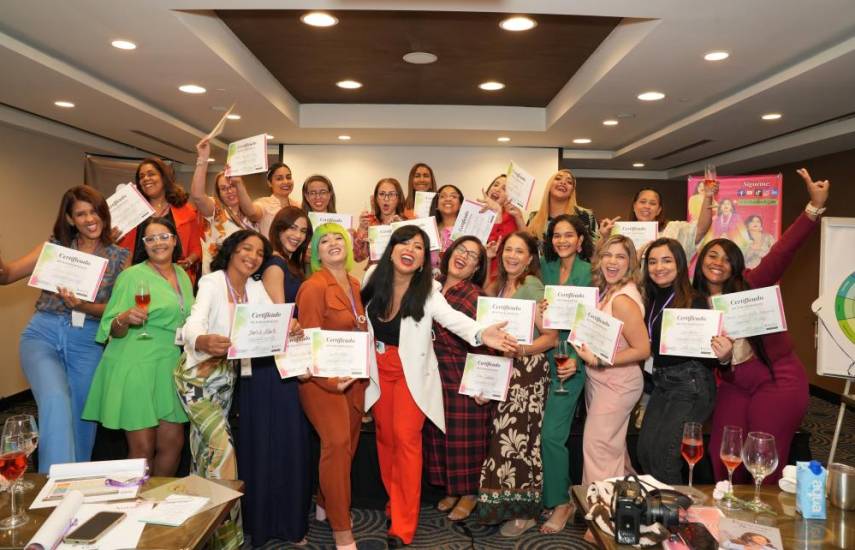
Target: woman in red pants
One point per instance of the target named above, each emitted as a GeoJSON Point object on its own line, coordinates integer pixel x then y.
{"type": "Point", "coordinates": [766, 388]}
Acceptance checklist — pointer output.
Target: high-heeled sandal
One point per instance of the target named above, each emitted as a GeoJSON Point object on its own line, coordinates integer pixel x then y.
{"type": "Point", "coordinates": [464, 508]}
{"type": "Point", "coordinates": [446, 504]}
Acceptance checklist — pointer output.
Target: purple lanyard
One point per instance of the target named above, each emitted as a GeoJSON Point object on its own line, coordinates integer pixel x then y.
{"type": "Point", "coordinates": [654, 317]}
{"type": "Point", "coordinates": [235, 299]}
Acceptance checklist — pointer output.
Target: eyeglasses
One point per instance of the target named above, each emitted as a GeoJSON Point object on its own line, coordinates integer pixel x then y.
{"type": "Point", "coordinates": [162, 237]}
{"type": "Point", "coordinates": [470, 255]}
{"type": "Point", "coordinates": [387, 195]}
{"type": "Point", "coordinates": [317, 194]}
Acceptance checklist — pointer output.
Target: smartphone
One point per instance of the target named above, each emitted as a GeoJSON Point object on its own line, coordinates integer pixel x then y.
{"type": "Point", "coordinates": [94, 528]}
{"type": "Point", "coordinates": [697, 536]}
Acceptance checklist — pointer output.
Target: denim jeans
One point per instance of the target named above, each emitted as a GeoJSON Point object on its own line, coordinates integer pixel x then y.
{"type": "Point", "coordinates": [681, 393]}
{"type": "Point", "coordinates": [59, 361]}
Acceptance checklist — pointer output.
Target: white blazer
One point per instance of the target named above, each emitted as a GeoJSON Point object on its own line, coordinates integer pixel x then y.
{"type": "Point", "coordinates": [421, 369]}
{"type": "Point", "coordinates": [211, 313]}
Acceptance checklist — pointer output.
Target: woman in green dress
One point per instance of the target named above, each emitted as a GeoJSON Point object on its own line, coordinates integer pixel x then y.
{"type": "Point", "coordinates": [133, 388]}
{"type": "Point", "coordinates": [567, 243]}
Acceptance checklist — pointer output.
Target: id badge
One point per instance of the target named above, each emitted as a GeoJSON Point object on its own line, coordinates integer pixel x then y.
{"type": "Point", "coordinates": [246, 367]}
{"type": "Point", "coordinates": [179, 336]}
{"type": "Point", "coordinates": [380, 347]}
{"type": "Point", "coordinates": [78, 318]}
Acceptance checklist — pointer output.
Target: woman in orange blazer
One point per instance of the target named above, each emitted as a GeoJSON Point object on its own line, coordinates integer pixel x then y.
{"type": "Point", "coordinates": [156, 181]}
{"type": "Point", "coordinates": [330, 300]}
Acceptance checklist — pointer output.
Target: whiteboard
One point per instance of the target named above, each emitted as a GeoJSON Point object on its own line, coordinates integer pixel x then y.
{"type": "Point", "coordinates": [835, 352]}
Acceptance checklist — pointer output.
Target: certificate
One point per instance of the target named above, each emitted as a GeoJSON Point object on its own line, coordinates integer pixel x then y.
{"type": "Point", "coordinates": [520, 184]}
{"type": "Point", "coordinates": [247, 156]}
{"type": "Point", "coordinates": [752, 312]}
{"type": "Point", "coordinates": [220, 124]}
{"type": "Point", "coordinates": [319, 218]}
{"type": "Point", "coordinates": [600, 332]}
{"type": "Point", "coordinates": [428, 225]}
{"type": "Point", "coordinates": [486, 376]}
{"type": "Point", "coordinates": [563, 301]}
{"type": "Point", "coordinates": [518, 313]}
{"type": "Point", "coordinates": [378, 240]}
{"type": "Point", "coordinates": [128, 208]}
{"type": "Point", "coordinates": [79, 272]}
{"type": "Point", "coordinates": [640, 233]}
{"type": "Point", "coordinates": [297, 358]}
{"type": "Point", "coordinates": [259, 330]}
{"type": "Point", "coordinates": [688, 332]}
{"type": "Point", "coordinates": [421, 204]}
{"type": "Point", "coordinates": [471, 221]}
{"type": "Point", "coordinates": [337, 353]}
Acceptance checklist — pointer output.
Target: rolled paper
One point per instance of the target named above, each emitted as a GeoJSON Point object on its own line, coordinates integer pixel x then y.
{"type": "Point", "coordinates": [56, 525]}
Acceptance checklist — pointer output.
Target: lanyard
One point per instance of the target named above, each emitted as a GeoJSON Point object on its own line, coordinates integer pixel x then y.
{"type": "Point", "coordinates": [654, 317]}
{"type": "Point", "coordinates": [235, 298]}
{"type": "Point", "coordinates": [360, 319]}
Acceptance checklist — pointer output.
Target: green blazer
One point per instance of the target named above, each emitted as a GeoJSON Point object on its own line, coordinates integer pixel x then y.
{"type": "Point", "coordinates": [580, 275]}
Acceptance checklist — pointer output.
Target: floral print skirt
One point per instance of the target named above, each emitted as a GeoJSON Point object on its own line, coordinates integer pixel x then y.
{"type": "Point", "coordinates": [512, 474]}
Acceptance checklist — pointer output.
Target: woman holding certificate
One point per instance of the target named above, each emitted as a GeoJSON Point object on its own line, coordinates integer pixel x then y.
{"type": "Point", "coordinates": [420, 179]}
{"type": "Point", "coordinates": [612, 390]}
{"type": "Point", "coordinates": [766, 372]}
{"type": "Point", "coordinates": [58, 351]}
{"type": "Point", "coordinates": [156, 181]}
{"type": "Point", "coordinates": [133, 389]}
{"type": "Point", "coordinates": [509, 218]}
{"type": "Point", "coordinates": [559, 197]}
{"type": "Point", "coordinates": [445, 207]}
{"type": "Point", "coordinates": [205, 379]}
{"type": "Point", "coordinates": [517, 500]}
{"type": "Point", "coordinates": [403, 301]}
{"type": "Point", "coordinates": [387, 203]}
{"type": "Point", "coordinates": [281, 184]}
{"type": "Point", "coordinates": [330, 300]}
{"type": "Point", "coordinates": [318, 195]}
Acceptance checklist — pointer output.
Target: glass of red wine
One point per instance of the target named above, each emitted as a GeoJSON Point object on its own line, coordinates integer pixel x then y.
{"type": "Point", "coordinates": [731, 456]}
{"type": "Point", "coordinates": [142, 297]}
{"type": "Point", "coordinates": [13, 463]}
{"type": "Point", "coordinates": [692, 449]}
{"type": "Point", "coordinates": [562, 360]}
{"type": "Point", "coordinates": [25, 426]}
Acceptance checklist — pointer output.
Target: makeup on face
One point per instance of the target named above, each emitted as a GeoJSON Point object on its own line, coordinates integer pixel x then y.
{"type": "Point", "coordinates": [318, 195]}
{"type": "Point", "coordinates": [408, 256]}
{"type": "Point", "coordinates": [716, 266]}
{"type": "Point", "coordinates": [332, 249]}
{"type": "Point", "coordinates": [295, 235]}
{"type": "Point", "coordinates": [647, 207]}
{"type": "Point", "coordinates": [247, 257]}
{"type": "Point", "coordinates": [614, 263]}
{"type": "Point", "coordinates": [515, 256]}
{"type": "Point", "coordinates": [86, 220]}
{"type": "Point", "coordinates": [159, 243]}
{"type": "Point", "coordinates": [661, 266]}
{"type": "Point", "coordinates": [151, 182]}
{"type": "Point", "coordinates": [464, 260]}
{"type": "Point", "coordinates": [281, 182]}
{"type": "Point", "coordinates": [565, 240]}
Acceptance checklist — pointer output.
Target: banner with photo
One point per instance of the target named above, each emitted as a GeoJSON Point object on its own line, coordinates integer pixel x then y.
{"type": "Point", "coordinates": [747, 210]}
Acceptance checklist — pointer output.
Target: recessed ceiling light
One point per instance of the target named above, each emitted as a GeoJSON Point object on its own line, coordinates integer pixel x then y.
{"type": "Point", "coordinates": [124, 45]}
{"type": "Point", "coordinates": [192, 89]}
{"type": "Point", "coordinates": [651, 96]}
{"type": "Point", "coordinates": [344, 138]}
{"type": "Point", "coordinates": [582, 141]}
{"type": "Point", "coordinates": [420, 58]}
{"type": "Point", "coordinates": [211, 159]}
{"type": "Point", "coordinates": [610, 122]}
{"type": "Point", "coordinates": [491, 86]}
{"type": "Point", "coordinates": [518, 23]}
{"type": "Point", "coordinates": [638, 165]}
{"type": "Point", "coordinates": [771, 116]}
{"type": "Point", "coordinates": [503, 139]}
{"type": "Point", "coordinates": [349, 84]}
{"type": "Point", "coordinates": [716, 56]}
{"type": "Point", "coordinates": [233, 116]}
{"type": "Point", "coordinates": [64, 104]}
{"type": "Point", "coordinates": [319, 19]}
{"type": "Point", "coordinates": [269, 136]}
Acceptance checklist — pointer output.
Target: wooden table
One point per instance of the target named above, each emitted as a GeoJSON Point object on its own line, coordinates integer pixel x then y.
{"type": "Point", "coordinates": [836, 531]}
{"type": "Point", "coordinates": [194, 533]}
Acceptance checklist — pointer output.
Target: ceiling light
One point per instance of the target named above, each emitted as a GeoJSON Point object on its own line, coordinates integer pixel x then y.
{"type": "Point", "coordinates": [192, 89]}
{"type": "Point", "coordinates": [582, 141]}
{"type": "Point", "coordinates": [610, 122]}
{"type": "Point", "coordinates": [716, 56]}
{"type": "Point", "coordinates": [233, 116]}
{"type": "Point", "coordinates": [518, 23]}
{"type": "Point", "coordinates": [211, 159]}
{"type": "Point", "coordinates": [420, 58]}
{"type": "Point", "coordinates": [64, 104]}
{"type": "Point", "coordinates": [344, 138]}
{"type": "Point", "coordinates": [771, 116]}
{"type": "Point", "coordinates": [124, 45]}
{"type": "Point", "coordinates": [651, 96]}
{"type": "Point", "coordinates": [349, 84]}
{"type": "Point", "coordinates": [503, 139]}
{"type": "Point", "coordinates": [319, 19]}
{"type": "Point", "coordinates": [638, 165]}
{"type": "Point", "coordinates": [491, 86]}
{"type": "Point", "coordinates": [269, 136]}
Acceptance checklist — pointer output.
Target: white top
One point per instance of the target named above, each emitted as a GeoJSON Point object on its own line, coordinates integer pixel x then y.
{"type": "Point", "coordinates": [684, 233]}
{"type": "Point", "coordinates": [270, 206]}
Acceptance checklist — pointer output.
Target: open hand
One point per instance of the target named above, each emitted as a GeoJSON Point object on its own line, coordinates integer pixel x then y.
{"type": "Point", "coordinates": [495, 337]}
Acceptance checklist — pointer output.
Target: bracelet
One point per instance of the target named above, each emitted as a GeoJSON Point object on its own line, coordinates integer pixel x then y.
{"type": "Point", "coordinates": [813, 210]}
{"type": "Point", "coordinates": [201, 162]}
{"type": "Point", "coordinates": [118, 321]}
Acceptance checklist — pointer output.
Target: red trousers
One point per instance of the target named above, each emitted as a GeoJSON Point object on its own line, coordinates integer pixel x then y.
{"type": "Point", "coordinates": [399, 424]}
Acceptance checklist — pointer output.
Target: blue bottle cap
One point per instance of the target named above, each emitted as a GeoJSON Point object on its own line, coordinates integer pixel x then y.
{"type": "Point", "coordinates": [815, 467]}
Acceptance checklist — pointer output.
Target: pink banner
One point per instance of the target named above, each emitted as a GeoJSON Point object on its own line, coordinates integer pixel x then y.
{"type": "Point", "coordinates": [747, 210]}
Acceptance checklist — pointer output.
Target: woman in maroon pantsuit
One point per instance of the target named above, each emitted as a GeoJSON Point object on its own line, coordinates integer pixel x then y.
{"type": "Point", "coordinates": [766, 388]}
{"type": "Point", "coordinates": [454, 458]}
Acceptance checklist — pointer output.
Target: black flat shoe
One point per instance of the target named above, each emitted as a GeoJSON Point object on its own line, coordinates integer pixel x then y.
{"type": "Point", "coordinates": [393, 541]}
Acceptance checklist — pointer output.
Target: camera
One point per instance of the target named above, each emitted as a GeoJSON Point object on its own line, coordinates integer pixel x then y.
{"type": "Point", "coordinates": [633, 507]}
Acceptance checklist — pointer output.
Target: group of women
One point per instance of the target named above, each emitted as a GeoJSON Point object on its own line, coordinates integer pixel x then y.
{"type": "Point", "coordinates": [148, 370]}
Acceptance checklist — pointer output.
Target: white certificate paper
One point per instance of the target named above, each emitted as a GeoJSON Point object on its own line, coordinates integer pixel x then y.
{"type": "Point", "coordinates": [79, 272]}
{"type": "Point", "coordinates": [378, 240]}
{"type": "Point", "coordinates": [486, 376]}
{"type": "Point", "coordinates": [520, 184]}
{"type": "Point", "coordinates": [259, 330]}
{"type": "Point", "coordinates": [563, 301]}
{"type": "Point", "coordinates": [428, 225]}
{"type": "Point", "coordinates": [421, 204]}
{"type": "Point", "coordinates": [337, 353]}
{"type": "Point", "coordinates": [471, 221]}
{"type": "Point", "coordinates": [247, 156]}
{"type": "Point", "coordinates": [319, 218]}
{"type": "Point", "coordinates": [297, 358]}
{"type": "Point", "coordinates": [128, 208]}
{"type": "Point", "coordinates": [688, 332]}
{"type": "Point", "coordinates": [600, 332]}
{"type": "Point", "coordinates": [518, 313]}
{"type": "Point", "coordinates": [640, 233]}
{"type": "Point", "coordinates": [752, 312]}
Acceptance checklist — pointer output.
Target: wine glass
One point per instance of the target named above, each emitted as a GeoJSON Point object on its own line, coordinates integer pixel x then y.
{"type": "Point", "coordinates": [760, 456]}
{"type": "Point", "coordinates": [709, 175]}
{"type": "Point", "coordinates": [731, 456]}
{"type": "Point", "coordinates": [142, 297]}
{"type": "Point", "coordinates": [562, 359]}
{"type": "Point", "coordinates": [692, 449]}
{"type": "Point", "coordinates": [25, 426]}
{"type": "Point", "coordinates": [13, 463]}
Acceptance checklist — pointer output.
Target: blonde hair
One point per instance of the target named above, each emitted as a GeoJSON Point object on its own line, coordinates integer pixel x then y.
{"type": "Point", "coordinates": [537, 225]}
{"type": "Point", "coordinates": [633, 272]}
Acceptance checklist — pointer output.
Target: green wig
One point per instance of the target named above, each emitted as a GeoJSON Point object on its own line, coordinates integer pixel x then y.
{"type": "Point", "coordinates": [326, 229]}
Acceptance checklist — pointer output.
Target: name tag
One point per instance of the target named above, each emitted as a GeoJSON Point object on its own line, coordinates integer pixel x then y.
{"type": "Point", "coordinates": [179, 336]}
{"type": "Point", "coordinates": [246, 367]}
{"type": "Point", "coordinates": [78, 318]}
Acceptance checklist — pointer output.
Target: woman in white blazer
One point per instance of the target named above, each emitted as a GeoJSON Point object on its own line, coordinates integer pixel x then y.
{"type": "Point", "coordinates": [204, 377]}
{"type": "Point", "coordinates": [402, 302]}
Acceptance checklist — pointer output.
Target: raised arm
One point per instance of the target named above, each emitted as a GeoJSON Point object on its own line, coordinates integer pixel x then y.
{"type": "Point", "coordinates": [245, 201]}
{"type": "Point", "coordinates": [203, 203]}
{"type": "Point", "coordinates": [705, 217]}
{"type": "Point", "coordinates": [20, 268]}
